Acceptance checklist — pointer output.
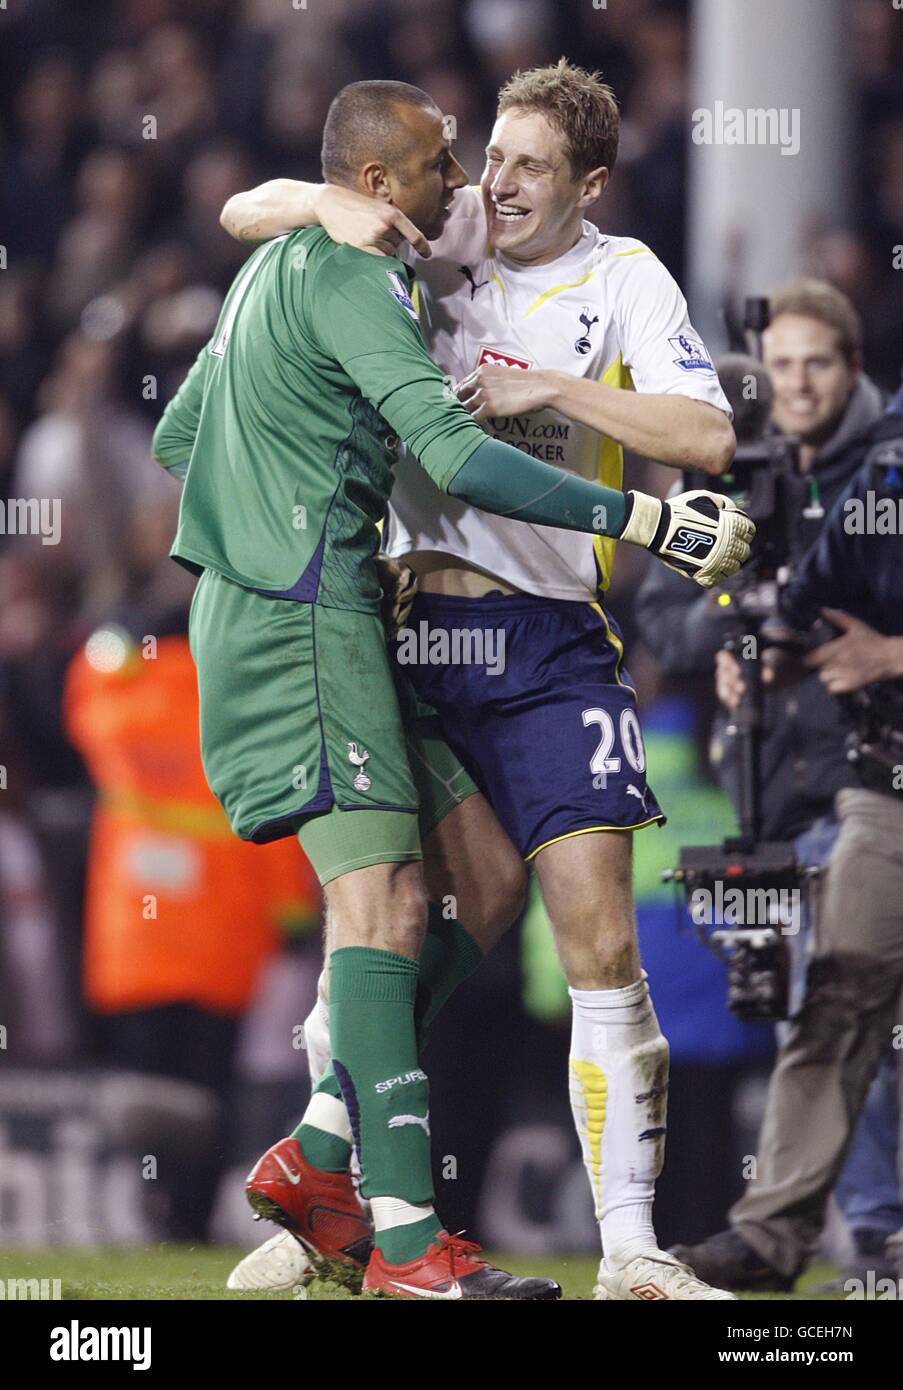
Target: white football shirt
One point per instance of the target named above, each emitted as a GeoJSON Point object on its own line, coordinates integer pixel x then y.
{"type": "Point", "coordinates": [607, 310]}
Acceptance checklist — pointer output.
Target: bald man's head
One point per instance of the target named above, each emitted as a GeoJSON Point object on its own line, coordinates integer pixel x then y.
{"type": "Point", "coordinates": [388, 139]}
{"type": "Point", "coordinates": [366, 122]}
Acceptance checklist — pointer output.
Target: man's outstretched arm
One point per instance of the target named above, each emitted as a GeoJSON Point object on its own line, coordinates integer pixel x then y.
{"type": "Point", "coordinates": [701, 535]}
{"type": "Point", "coordinates": [677, 412]}
{"type": "Point", "coordinates": [673, 429]}
{"type": "Point", "coordinates": [283, 205]}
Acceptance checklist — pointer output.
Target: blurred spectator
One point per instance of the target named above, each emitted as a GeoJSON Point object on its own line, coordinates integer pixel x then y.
{"type": "Point", "coordinates": [179, 87]}
{"type": "Point", "coordinates": [42, 157]}
{"type": "Point", "coordinates": [507, 34]}
{"type": "Point", "coordinates": [211, 177]}
{"type": "Point", "coordinates": [22, 347]}
{"type": "Point", "coordinates": [89, 450]}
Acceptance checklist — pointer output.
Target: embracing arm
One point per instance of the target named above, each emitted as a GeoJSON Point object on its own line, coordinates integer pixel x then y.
{"type": "Point", "coordinates": [271, 209]}
{"type": "Point", "coordinates": [676, 430]}
{"type": "Point", "coordinates": [700, 535]}
{"type": "Point", "coordinates": [673, 429]}
{"type": "Point", "coordinates": [676, 413]}
{"type": "Point", "coordinates": [283, 205]}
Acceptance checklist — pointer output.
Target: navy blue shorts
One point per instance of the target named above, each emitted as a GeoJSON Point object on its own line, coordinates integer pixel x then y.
{"type": "Point", "coordinates": [534, 699]}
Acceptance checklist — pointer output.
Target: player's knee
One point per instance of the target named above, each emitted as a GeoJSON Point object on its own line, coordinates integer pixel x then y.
{"type": "Point", "coordinates": [609, 961]}
{"type": "Point", "coordinates": [597, 950]}
{"type": "Point", "coordinates": [387, 912]}
{"type": "Point", "coordinates": [617, 949]}
{"type": "Point", "coordinates": [488, 901]}
{"type": "Point", "coordinates": [407, 910]}
{"type": "Point", "coordinates": [509, 889]}
{"type": "Point", "coordinates": [502, 899]}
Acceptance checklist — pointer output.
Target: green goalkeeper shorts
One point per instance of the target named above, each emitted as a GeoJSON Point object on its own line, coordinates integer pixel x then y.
{"type": "Point", "coordinates": [305, 729]}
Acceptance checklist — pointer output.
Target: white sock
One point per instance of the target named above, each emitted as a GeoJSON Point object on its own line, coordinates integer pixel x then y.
{"type": "Point", "coordinates": [619, 1085]}
{"type": "Point", "coordinates": [323, 1111]}
{"type": "Point", "coordinates": [395, 1211]}
{"type": "Point", "coordinates": [316, 1032]}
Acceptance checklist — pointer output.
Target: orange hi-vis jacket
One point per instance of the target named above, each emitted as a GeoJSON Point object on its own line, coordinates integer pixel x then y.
{"type": "Point", "coordinates": [178, 908]}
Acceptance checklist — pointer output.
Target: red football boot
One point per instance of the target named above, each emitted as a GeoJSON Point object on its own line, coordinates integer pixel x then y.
{"type": "Point", "coordinates": [321, 1209]}
{"type": "Point", "coordinates": [452, 1268]}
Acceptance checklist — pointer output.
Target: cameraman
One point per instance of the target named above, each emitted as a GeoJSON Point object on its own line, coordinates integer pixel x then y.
{"type": "Point", "coordinates": [853, 577]}
{"type": "Point", "coordinates": [812, 353]}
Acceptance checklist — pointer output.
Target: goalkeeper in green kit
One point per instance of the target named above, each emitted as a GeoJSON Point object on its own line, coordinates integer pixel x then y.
{"type": "Point", "coordinates": [284, 434]}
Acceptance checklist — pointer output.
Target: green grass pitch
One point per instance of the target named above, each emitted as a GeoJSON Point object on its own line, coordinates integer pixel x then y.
{"type": "Point", "coordinates": [161, 1272]}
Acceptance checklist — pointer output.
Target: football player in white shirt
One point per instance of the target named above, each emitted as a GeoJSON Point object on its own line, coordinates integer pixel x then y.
{"type": "Point", "coordinates": [572, 345]}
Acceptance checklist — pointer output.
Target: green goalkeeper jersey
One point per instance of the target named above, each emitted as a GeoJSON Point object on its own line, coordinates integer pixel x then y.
{"type": "Point", "coordinates": [286, 428]}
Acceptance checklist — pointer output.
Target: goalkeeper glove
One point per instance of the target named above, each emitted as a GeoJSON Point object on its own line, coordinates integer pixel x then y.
{"type": "Point", "coordinates": [702, 535]}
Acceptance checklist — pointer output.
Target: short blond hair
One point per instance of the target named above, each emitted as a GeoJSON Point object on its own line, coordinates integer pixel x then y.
{"type": "Point", "coordinates": [817, 299]}
{"type": "Point", "coordinates": [577, 103]}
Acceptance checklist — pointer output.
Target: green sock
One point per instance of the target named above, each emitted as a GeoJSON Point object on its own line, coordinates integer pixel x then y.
{"type": "Point", "coordinates": [449, 956]}
{"type": "Point", "coordinates": [374, 1053]}
{"type": "Point", "coordinates": [399, 1244]}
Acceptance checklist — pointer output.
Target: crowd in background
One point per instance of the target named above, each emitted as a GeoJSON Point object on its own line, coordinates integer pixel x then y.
{"type": "Point", "coordinates": [125, 124]}
{"type": "Point", "coordinates": [124, 127]}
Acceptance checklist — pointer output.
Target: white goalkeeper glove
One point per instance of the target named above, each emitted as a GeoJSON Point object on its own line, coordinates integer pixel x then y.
{"type": "Point", "coordinates": [702, 535]}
